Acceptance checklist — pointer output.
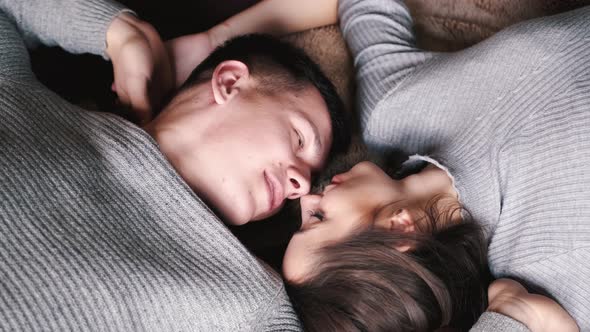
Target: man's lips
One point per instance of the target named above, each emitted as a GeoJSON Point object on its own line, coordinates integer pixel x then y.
{"type": "Point", "coordinates": [275, 191]}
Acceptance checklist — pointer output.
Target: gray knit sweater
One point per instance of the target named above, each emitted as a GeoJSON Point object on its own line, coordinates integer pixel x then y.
{"type": "Point", "coordinates": [510, 120]}
{"type": "Point", "coordinates": [97, 230]}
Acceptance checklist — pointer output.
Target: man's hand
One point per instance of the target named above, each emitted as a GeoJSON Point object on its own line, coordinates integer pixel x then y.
{"type": "Point", "coordinates": [538, 313]}
{"type": "Point", "coordinates": [143, 73]}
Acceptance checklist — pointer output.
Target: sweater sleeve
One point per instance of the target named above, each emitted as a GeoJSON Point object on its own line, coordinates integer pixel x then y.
{"type": "Point", "coordinates": [278, 315]}
{"type": "Point", "coordinates": [75, 25]}
{"type": "Point", "coordinates": [494, 322]}
{"type": "Point", "coordinates": [565, 278]}
{"type": "Point", "coordinates": [380, 37]}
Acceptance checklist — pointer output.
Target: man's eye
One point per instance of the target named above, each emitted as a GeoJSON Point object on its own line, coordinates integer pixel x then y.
{"type": "Point", "coordinates": [300, 137]}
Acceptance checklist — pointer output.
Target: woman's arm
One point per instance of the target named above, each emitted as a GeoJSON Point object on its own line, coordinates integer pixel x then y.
{"type": "Point", "coordinates": [274, 17]}
{"type": "Point", "coordinates": [512, 308]}
{"type": "Point", "coordinates": [142, 70]}
{"type": "Point", "coordinates": [277, 17]}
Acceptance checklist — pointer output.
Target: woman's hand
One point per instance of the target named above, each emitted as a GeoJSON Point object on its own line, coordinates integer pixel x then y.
{"type": "Point", "coordinates": [143, 72]}
{"type": "Point", "coordinates": [539, 313]}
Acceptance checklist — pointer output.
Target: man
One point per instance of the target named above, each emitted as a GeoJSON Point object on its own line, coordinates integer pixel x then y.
{"type": "Point", "coordinates": [100, 225]}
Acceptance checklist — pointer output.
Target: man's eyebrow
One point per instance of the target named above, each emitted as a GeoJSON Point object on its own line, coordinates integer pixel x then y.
{"type": "Point", "coordinates": [317, 142]}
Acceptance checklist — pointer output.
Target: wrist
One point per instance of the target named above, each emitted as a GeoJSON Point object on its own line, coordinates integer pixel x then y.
{"type": "Point", "coordinates": [124, 28]}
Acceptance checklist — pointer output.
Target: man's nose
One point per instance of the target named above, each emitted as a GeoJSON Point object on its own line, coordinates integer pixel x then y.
{"type": "Point", "coordinates": [299, 181]}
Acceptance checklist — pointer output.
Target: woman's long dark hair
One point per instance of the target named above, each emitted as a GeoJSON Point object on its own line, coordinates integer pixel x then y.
{"type": "Point", "coordinates": [364, 284]}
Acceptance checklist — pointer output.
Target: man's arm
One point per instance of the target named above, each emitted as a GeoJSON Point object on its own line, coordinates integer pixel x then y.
{"type": "Point", "coordinates": [79, 27]}
{"type": "Point", "coordinates": [380, 36]}
{"type": "Point", "coordinates": [143, 74]}
{"type": "Point", "coordinates": [14, 58]}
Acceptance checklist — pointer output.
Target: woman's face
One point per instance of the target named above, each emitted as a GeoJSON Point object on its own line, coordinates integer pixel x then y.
{"type": "Point", "coordinates": [356, 200]}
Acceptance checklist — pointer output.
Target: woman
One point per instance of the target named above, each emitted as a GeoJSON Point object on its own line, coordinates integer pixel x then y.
{"type": "Point", "coordinates": [507, 121]}
{"type": "Point", "coordinates": [375, 254]}
{"type": "Point", "coordinates": [361, 256]}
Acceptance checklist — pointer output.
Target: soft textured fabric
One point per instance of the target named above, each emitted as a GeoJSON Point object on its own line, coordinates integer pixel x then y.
{"type": "Point", "coordinates": [97, 230]}
{"type": "Point", "coordinates": [510, 120]}
{"type": "Point", "coordinates": [494, 322]}
{"type": "Point", "coordinates": [445, 25]}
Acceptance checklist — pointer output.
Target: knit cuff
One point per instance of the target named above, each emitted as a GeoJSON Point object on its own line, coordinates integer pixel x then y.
{"type": "Point", "coordinates": [495, 322]}
{"type": "Point", "coordinates": [94, 18]}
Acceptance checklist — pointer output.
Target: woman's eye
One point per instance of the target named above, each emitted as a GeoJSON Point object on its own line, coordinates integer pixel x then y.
{"type": "Point", "coordinates": [318, 215]}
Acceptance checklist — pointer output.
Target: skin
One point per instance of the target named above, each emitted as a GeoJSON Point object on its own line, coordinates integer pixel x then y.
{"type": "Point", "coordinates": [242, 151]}
{"type": "Point", "coordinates": [362, 198]}
{"type": "Point", "coordinates": [141, 65]}
{"type": "Point", "coordinates": [538, 313]}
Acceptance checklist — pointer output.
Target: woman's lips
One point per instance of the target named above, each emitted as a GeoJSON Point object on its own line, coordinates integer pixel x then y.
{"type": "Point", "coordinates": [336, 179]}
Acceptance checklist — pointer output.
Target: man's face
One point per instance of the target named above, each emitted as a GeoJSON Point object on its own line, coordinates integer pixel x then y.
{"type": "Point", "coordinates": [247, 155]}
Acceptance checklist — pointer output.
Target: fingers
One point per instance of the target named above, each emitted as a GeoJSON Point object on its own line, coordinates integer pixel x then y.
{"type": "Point", "coordinates": [506, 286]}
{"type": "Point", "coordinates": [134, 95]}
{"type": "Point", "coordinates": [139, 98]}
{"type": "Point", "coordinates": [143, 73]}
{"type": "Point", "coordinates": [122, 95]}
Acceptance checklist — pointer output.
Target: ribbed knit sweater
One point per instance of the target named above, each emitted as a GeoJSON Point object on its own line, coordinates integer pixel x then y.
{"type": "Point", "coordinates": [509, 119]}
{"type": "Point", "coordinates": [97, 230]}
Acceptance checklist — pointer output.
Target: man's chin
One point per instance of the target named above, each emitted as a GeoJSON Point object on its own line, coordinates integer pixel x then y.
{"type": "Point", "coordinates": [268, 214]}
{"type": "Point", "coordinates": [235, 218]}
{"type": "Point", "coordinates": [232, 218]}
{"type": "Point", "coordinates": [229, 222]}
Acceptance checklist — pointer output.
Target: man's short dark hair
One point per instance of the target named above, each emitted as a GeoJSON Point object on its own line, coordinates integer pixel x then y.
{"type": "Point", "coordinates": [279, 66]}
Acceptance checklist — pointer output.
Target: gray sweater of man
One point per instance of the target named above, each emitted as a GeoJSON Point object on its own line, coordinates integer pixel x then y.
{"type": "Point", "coordinates": [509, 119]}
{"type": "Point", "coordinates": [97, 230]}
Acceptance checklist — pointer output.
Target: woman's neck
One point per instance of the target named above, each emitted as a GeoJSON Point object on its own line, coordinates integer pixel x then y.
{"type": "Point", "coordinates": [430, 186]}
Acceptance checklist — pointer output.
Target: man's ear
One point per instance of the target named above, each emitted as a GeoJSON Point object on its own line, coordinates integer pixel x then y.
{"type": "Point", "coordinates": [228, 79]}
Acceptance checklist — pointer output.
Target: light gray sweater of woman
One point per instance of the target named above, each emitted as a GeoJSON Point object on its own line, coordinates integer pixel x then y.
{"type": "Point", "coordinates": [509, 118]}
{"type": "Point", "coordinates": [97, 230]}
